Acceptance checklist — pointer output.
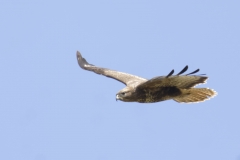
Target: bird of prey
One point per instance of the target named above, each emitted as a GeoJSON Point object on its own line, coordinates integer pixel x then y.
{"type": "Point", "coordinates": [178, 87]}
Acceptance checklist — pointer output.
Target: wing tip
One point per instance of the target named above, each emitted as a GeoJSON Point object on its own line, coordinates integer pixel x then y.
{"type": "Point", "coordinates": [79, 58]}
{"type": "Point", "coordinates": [183, 70]}
{"type": "Point", "coordinates": [78, 54]}
{"type": "Point", "coordinates": [81, 61]}
{"type": "Point", "coordinates": [170, 73]}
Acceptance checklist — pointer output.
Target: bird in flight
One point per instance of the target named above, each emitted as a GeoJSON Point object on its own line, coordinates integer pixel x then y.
{"type": "Point", "coordinates": [178, 87]}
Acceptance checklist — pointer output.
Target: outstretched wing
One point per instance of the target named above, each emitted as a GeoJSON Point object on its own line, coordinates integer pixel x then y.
{"type": "Point", "coordinates": [180, 81]}
{"type": "Point", "coordinates": [127, 79]}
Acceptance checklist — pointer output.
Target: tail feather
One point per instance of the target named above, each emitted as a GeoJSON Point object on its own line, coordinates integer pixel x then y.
{"type": "Point", "coordinates": [195, 95]}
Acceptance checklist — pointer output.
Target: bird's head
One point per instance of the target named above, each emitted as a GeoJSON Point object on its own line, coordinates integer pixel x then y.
{"type": "Point", "coordinates": [126, 94]}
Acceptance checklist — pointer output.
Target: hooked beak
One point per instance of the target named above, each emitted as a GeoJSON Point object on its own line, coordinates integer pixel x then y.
{"type": "Point", "coordinates": [117, 97]}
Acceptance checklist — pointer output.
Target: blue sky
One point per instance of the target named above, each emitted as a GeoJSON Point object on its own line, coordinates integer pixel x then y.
{"type": "Point", "coordinates": [50, 109]}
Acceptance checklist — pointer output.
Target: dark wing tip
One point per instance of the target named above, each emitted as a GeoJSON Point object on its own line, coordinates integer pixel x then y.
{"type": "Point", "coordinates": [79, 56]}
{"type": "Point", "coordinates": [183, 70]}
{"type": "Point", "coordinates": [193, 72]}
{"type": "Point", "coordinates": [81, 61]}
{"type": "Point", "coordinates": [170, 73]}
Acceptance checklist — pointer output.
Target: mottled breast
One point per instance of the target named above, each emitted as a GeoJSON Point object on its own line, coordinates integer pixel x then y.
{"type": "Point", "coordinates": [150, 95]}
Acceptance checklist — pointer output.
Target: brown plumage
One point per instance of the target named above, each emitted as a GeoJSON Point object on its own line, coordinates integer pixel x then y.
{"type": "Point", "coordinates": [177, 87]}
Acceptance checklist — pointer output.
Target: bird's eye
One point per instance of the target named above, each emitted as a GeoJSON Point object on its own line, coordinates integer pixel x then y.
{"type": "Point", "coordinates": [123, 93]}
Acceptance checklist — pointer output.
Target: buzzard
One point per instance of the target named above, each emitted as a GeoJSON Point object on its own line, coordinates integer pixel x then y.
{"type": "Point", "coordinates": [178, 87]}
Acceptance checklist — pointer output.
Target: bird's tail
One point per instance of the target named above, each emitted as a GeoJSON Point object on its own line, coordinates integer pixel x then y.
{"type": "Point", "coordinates": [195, 95]}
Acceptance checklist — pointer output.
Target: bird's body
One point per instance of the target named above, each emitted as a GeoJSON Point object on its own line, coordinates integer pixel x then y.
{"type": "Point", "coordinates": [150, 95]}
{"type": "Point", "coordinates": [178, 87]}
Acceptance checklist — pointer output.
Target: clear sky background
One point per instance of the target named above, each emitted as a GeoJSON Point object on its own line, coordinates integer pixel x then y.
{"type": "Point", "coordinates": [50, 109]}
